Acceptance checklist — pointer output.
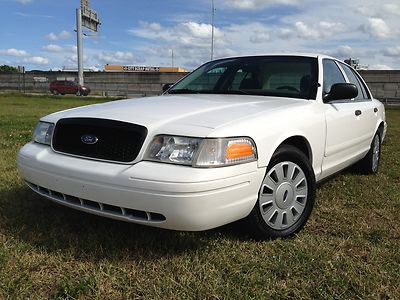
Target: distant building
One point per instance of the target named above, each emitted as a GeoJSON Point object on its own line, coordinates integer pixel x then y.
{"type": "Point", "coordinates": [118, 68]}
{"type": "Point", "coordinates": [355, 63]}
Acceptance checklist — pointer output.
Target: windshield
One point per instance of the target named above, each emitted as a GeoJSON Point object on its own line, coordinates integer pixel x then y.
{"type": "Point", "coordinates": [284, 76]}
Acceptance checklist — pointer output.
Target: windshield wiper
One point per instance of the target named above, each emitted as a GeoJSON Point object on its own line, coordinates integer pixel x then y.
{"type": "Point", "coordinates": [244, 92]}
{"type": "Point", "coordinates": [236, 92]}
{"type": "Point", "coordinates": [227, 92]}
{"type": "Point", "coordinates": [182, 91]}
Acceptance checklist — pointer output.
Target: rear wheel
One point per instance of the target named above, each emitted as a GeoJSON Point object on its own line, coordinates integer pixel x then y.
{"type": "Point", "coordinates": [370, 163]}
{"type": "Point", "coordinates": [286, 196]}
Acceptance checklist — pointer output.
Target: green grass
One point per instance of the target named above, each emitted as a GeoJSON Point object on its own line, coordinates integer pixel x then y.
{"type": "Point", "coordinates": [348, 250]}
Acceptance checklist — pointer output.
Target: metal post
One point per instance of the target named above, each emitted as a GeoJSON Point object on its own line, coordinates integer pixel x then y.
{"type": "Point", "coordinates": [79, 39]}
{"type": "Point", "coordinates": [23, 80]}
{"type": "Point", "coordinates": [172, 57]}
{"type": "Point", "coordinates": [212, 29]}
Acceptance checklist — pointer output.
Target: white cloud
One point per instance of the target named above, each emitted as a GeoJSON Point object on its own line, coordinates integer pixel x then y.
{"type": "Point", "coordinates": [344, 51]}
{"type": "Point", "coordinates": [51, 36]}
{"type": "Point", "coordinates": [377, 27]}
{"type": "Point", "coordinates": [154, 26]}
{"type": "Point", "coordinates": [24, 1]}
{"type": "Point", "coordinates": [52, 48]}
{"type": "Point", "coordinates": [63, 35]}
{"type": "Point", "coordinates": [14, 52]}
{"type": "Point", "coordinates": [191, 42]}
{"type": "Point", "coordinates": [257, 4]}
{"type": "Point", "coordinates": [305, 31]}
{"type": "Point", "coordinates": [392, 9]}
{"type": "Point", "coordinates": [392, 51]}
{"type": "Point", "coordinates": [118, 57]}
{"type": "Point", "coordinates": [318, 30]}
{"type": "Point", "coordinates": [36, 60]}
{"type": "Point", "coordinates": [25, 15]}
{"type": "Point", "coordinates": [71, 61]}
{"type": "Point", "coordinates": [59, 49]}
{"type": "Point", "coordinates": [380, 67]}
{"type": "Point", "coordinates": [187, 33]}
{"type": "Point", "coordinates": [260, 37]}
{"type": "Point", "coordinates": [247, 35]}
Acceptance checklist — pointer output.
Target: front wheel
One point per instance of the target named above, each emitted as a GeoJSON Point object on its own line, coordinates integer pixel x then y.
{"type": "Point", "coordinates": [286, 197]}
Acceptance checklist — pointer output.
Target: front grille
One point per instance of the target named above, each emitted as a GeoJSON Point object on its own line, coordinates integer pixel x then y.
{"type": "Point", "coordinates": [126, 214]}
{"type": "Point", "coordinates": [111, 140]}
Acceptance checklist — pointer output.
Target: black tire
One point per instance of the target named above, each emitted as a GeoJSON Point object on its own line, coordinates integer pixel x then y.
{"type": "Point", "coordinates": [284, 202]}
{"type": "Point", "coordinates": [370, 163]}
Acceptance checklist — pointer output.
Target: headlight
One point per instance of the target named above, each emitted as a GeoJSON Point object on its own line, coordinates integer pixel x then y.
{"type": "Point", "coordinates": [225, 152]}
{"type": "Point", "coordinates": [198, 152]}
{"type": "Point", "coordinates": [173, 149]}
{"type": "Point", "coordinates": [43, 133]}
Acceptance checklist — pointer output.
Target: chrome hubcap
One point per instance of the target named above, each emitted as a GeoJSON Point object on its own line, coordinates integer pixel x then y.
{"type": "Point", "coordinates": [283, 195]}
{"type": "Point", "coordinates": [375, 153]}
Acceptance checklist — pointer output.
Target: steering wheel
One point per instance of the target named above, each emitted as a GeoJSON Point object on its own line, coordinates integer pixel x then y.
{"type": "Point", "coordinates": [288, 87]}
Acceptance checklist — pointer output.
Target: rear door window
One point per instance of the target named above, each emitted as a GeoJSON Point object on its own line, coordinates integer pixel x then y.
{"type": "Point", "coordinates": [362, 92]}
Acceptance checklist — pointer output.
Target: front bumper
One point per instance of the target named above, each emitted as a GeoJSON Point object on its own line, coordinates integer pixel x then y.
{"type": "Point", "coordinates": [155, 194]}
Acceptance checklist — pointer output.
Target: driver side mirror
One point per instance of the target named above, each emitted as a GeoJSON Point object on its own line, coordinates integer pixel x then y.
{"type": "Point", "coordinates": [341, 91]}
{"type": "Point", "coordinates": [166, 87]}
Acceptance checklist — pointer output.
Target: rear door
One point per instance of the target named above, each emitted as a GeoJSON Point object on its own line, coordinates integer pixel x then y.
{"type": "Point", "coordinates": [69, 86]}
{"type": "Point", "coordinates": [62, 87]}
{"type": "Point", "coordinates": [368, 117]}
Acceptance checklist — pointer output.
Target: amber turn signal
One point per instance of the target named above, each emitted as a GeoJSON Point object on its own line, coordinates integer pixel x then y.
{"type": "Point", "coordinates": [235, 151]}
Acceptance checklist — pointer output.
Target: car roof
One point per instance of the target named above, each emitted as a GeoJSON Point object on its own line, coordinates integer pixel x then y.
{"type": "Point", "coordinates": [294, 54]}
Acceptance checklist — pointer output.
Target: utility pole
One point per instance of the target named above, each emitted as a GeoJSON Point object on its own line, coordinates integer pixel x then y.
{"type": "Point", "coordinates": [172, 57]}
{"type": "Point", "coordinates": [85, 17]}
{"type": "Point", "coordinates": [212, 29]}
{"type": "Point", "coordinates": [79, 43]}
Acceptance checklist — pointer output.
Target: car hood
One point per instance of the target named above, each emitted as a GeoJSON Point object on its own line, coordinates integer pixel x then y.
{"type": "Point", "coordinates": [172, 113]}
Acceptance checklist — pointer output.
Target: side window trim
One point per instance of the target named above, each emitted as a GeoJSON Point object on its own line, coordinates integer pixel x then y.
{"type": "Point", "coordinates": [368, 95]}
{"type": "Point", "coordinates": [341, 70]}
{"type": "Point", "coordinates": [362, 88]}
{"type": "Point", "coordinates": [339, 64]}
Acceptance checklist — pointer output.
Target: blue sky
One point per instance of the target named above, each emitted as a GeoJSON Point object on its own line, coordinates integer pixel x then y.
{"type": "Point", "coordinates": [40, 33]}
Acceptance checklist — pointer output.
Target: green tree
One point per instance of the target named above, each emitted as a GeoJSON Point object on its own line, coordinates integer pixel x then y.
{"type": "Point", "coordinates": [5, 68]}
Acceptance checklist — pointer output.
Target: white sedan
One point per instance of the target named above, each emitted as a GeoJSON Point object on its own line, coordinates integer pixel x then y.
{"type": "Point", "coordinates": [244, 137]}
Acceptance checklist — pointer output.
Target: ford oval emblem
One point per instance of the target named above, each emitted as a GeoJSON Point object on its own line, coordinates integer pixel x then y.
{"type": "Point", "coordinates": [89, 139]}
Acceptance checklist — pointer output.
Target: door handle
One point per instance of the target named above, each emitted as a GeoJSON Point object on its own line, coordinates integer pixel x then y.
{"type": "Point", "coordinates": [375, 110]}
{"type": "Point", "coordinates": [358, 112]}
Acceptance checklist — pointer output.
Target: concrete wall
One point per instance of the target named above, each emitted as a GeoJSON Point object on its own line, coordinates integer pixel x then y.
{"type": "Point", "coordinates": [100, 83]}
{"type": "Point", "coordinates": [385, 85]}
